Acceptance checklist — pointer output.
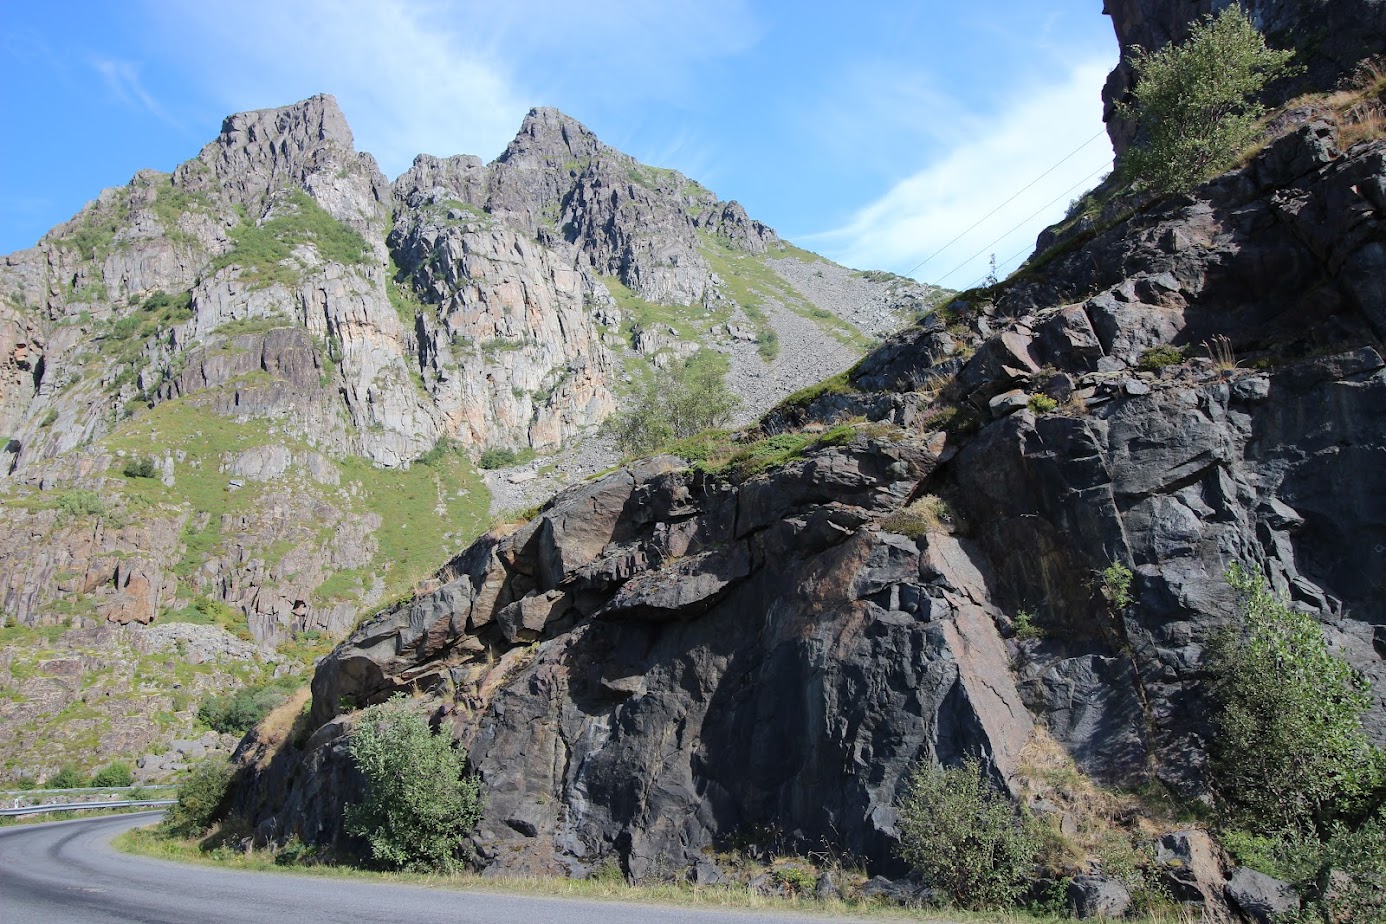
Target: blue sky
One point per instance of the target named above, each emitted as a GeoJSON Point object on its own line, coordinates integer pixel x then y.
{"type": "Point", "coordinates": [873, 133]}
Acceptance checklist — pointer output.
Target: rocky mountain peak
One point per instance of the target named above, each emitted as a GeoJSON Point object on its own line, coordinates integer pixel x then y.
{"type": "Point", "coordinates": [551, 136]}
{"type": "Point", "coordinates": [302, 124]}
{"type": "Point", "coordinates": [307, 144]}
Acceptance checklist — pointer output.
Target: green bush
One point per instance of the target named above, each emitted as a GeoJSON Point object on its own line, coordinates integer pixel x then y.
{"type": "Point", "coordinates": [1195, 102]}
{"type": "Point", "coordinates": [964, 836]}
{"type": "Point", "coordinates": [675, 404]}
{"type": "Point", "coordinates": [116, 773]}
{"type": "Point", "coordinates": [1116, 585]}
{"type": "Point", "coordinates": [1289, 753]}
{"type": "Point", "coordinates": [67, 777]}
{"type": "Point", "coordinates": [768, 344]}
{"type": "Point", "coordinates": [140, 468]}
{"type": "Point", "coordinates": [419, 805]}
{"type": "Point", "coordinates": [81, 502]}
{"type": "Point", "coordinates": [1158, 357]}
{"type": "Point", "coordinates": [497, 457]}
{"type": "Point", "coordinates": [201, 798]}
{"type": "Point", "coordinates": [1042, 404]}
{"type": "Point", "coordinates": [237, 713]}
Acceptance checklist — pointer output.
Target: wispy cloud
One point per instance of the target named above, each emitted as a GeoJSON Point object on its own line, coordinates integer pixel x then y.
{"type": "Point", "coordinates": [446, 77]}
{"type": "Point", "coordinates": [122, 79]}
{"type": "Point", "coordinates": [919, 216]}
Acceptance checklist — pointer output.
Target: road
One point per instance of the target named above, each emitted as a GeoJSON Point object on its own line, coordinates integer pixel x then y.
{"type": "Point", "coordinates": [67, 871]}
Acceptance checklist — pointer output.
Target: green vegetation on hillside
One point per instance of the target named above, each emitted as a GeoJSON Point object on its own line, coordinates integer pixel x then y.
{"type": "Point", "coordinates": [427, 513]}
{"type": "Point", "coordinates": [264, 251]}
{"type": "Point", "coordinates": [750, 281]}
{"type": "Point", "coordinates": [239, 711]}
{"type": "Point", "coordinates": [97, 226]}
{"type": "Point", "coordinates": [171, 203]}
{"type": "Point", "coordinates": [691, 321]}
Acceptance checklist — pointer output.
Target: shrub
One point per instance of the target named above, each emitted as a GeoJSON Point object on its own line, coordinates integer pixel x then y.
{"type": "Point", "coordinates": [239, 712]}
{"type": "Point", "coordinates": [675, 404]}
{"type": "Point", "coordinates": [964, 836]}
{"type": "Point", "coordinates": [497, 457]}
{"type": "Point", "coordinates": [1195, 102]}
{"type": "Point", "coordinates": [116, 773]}
{"type": "Point", "coordinates": [1116, 585]}
{"type": "Point", "coordinates": [201, 798]}
{"type": "Point", "coordinates": [442, 451]}
{"type": "Point", "coordinates": [418, 805]}
{"type": "Point", "coordinates": [1158, 357]}
{"type": "Point", "coordinates": [1042, 404]}
{"type": "Point", "coordinates": [67, 777]}
{"type": "Point", "coordinates": [1289, 753]}
{"type": "Point", "coordinates": [140, 468]}
{"type": "Point", "coordinates": [1025, 628]}
{"type": "Point", "coordinates": [80, 503]}
{"type": "Point", "coordinates": [768, 344]}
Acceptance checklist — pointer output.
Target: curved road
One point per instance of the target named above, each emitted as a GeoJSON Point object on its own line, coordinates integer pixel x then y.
{"type": "Point", "coordinates": [67, 871]}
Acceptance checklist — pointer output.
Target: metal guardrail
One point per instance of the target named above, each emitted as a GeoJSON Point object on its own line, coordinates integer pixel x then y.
{"type": "Point", "coordinates": [82, 806]}
{"type": "Point", "coordinates": [94, 789]}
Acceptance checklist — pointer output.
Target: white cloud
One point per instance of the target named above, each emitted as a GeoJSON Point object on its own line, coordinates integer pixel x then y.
{"type": "Point", "coordinates": [407, 83]}
{"type": "Point", "coordinates": [123, 80]}
{"type": "Point", "coordinates": [919, 216]}
{"type": "Point", "coordinates": [447, 77]}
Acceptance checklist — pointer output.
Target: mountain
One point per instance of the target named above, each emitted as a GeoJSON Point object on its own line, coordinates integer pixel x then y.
{"type": "Point", "coordinates": [243, 401]}
{"type": "Point", "coordinates": [1003, 534]}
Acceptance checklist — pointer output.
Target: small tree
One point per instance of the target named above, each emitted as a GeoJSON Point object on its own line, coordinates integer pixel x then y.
{"type": "Point", "coordinates": [676, 403]}
{"type": "Point", "coordinates": [1195, 102]}
{"type": "Point", "coordinates": [1289, 753]}
{"type": "Point", "coordinates": [419, 806]}
{"type": "Point", "coordinates": [201, 797]}
{"type": "Point", "coordinates": [964, 835]}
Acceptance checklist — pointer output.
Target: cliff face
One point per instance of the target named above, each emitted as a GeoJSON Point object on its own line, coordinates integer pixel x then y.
{"type": "Point", "coordinates": [1328, 36]}
{"type": "Point", "coordinates": [674, 654]}
{"type": "Point", "coordinates": [217, 382]}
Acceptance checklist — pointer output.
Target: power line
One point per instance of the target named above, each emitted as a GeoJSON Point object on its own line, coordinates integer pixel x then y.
{"type": "Point", "coordinates": [1006, 203]}
{"type": "Point", "coordinates": [1022, 223]}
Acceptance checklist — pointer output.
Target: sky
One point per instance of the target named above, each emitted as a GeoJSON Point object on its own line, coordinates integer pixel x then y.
{"type": "Point", "coordinates": [877, 134]}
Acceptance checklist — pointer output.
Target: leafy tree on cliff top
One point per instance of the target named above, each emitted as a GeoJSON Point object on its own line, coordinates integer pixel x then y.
{"type": "Point", "coordinates": [1195, 102]}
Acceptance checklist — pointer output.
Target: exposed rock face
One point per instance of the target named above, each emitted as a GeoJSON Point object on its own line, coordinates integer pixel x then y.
{"type": "Point", "coordinates": [1328, 36]}
{"type": "Point", "coordinates": [668, 655]}
{"type": "Point", "coordinates": [711, 655]}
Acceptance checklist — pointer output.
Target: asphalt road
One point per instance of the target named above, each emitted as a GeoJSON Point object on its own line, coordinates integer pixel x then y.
{"type": "Point", "coordinates": [67, 871]}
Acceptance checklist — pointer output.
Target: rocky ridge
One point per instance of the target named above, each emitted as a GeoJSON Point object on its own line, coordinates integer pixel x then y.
{"type": "Point", "coordinates": [218, 382]}
{"type": "Point", "coordinates": [675, 654]}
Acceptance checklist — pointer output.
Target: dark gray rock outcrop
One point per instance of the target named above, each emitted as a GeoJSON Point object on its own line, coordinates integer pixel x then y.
{"type": "Point", "coordinates": [708, 656]}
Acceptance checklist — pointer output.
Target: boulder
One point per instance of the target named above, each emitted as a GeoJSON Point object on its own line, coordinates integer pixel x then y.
{"type": "Point", "coordinates": [1264, 899]}
{"type": "Point", "coordinates": [1097, 897]}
